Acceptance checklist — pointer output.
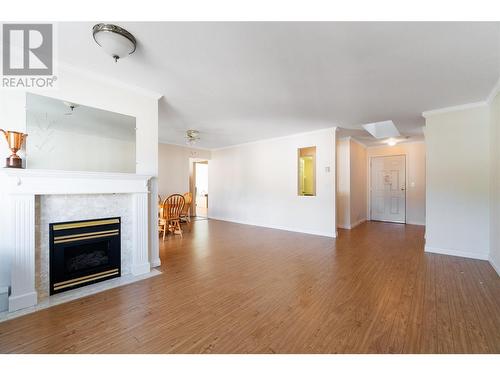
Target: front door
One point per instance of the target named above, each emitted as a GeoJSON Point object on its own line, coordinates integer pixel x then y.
{"type": "Point", "coordinates": [388, 188]}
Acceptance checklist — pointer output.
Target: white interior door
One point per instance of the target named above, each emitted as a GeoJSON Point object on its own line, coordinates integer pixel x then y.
{"type": "Point", "coordinates": [388, 188]}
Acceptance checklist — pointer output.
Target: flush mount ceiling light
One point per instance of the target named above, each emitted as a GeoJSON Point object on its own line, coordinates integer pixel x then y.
{"type": "Point", "coordinates": [115, 40]}
{"type": "Point", "coordinates": [391, 142]}
{"type": "Point", "coordinates": [382, 129]}
{"type": "Point", "coordinates": [192, 136]}
{"type": "Point", "coordinates": [394, 141]}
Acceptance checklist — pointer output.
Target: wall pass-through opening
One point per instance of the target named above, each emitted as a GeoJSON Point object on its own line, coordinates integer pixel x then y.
{"type": "Point", "coordinates": [307, 171]}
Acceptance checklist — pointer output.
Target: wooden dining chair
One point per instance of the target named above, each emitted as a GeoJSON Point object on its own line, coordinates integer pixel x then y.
{"type": "Point", "coordinates": [162, 218]}
{"type": "Point", "coordinates": [185, 216]}
{"type": "Point", "coordinates": [171, 209]}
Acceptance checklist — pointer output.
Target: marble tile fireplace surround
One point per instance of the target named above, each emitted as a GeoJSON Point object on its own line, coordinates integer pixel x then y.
{"type": "Point", "coordinates": [32, 199]}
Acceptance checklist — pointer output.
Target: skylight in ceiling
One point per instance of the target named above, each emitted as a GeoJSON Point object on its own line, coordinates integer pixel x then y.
{"type": "Point", "coordinates": [382, 129]}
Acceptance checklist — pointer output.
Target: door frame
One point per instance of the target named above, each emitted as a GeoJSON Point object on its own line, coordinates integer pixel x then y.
{"type": "Point", "coordinates": [369, 188]}
{"type": "Point", "coordinates": [192, 183]}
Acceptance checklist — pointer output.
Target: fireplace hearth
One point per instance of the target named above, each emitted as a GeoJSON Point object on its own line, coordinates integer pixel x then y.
{"type": "Point", "coordinates": [83, 253]}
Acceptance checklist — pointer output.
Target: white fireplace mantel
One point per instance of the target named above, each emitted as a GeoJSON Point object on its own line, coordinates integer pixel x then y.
{"type": "Point", "coordinates": [44, 182]}
{"type": "Point", "coordinates": [18, 188]}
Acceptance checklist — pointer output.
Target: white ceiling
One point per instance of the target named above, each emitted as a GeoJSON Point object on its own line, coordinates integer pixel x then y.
{"type": "Point", "coordinates": [240, 82]}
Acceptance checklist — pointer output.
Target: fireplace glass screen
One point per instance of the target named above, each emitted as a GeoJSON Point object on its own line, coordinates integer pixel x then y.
{"type": "Point", "coordinates": [86, 256]}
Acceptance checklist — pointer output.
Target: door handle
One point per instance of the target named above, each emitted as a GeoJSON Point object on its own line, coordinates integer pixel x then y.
{"type": "Point", "coordinates": [403, 188]}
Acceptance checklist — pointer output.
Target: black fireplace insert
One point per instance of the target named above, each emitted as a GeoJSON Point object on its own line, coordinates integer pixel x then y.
{"type": "Point", "coordinates": [84, 252]}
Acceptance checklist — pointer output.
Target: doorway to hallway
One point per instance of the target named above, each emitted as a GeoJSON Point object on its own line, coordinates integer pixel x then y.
{"type": "Point", "coordinates": [201, 189]}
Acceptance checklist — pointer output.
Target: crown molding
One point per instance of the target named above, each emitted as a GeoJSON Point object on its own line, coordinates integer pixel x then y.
{"type": "Point", "coordinates": [461, 107]}
{"type": "Point", "coordinates": [486, 102]}
{"type": "Point", "coordinates": [494, 92]}
{"type": "Point", "coordinates": [403, 143]}
{"type": "Point", "coordinates": [351, 138]}
{"type": "Point", "coordinates": [169, 143]}
{"type": "Point", "coordinates": [247, 143]}
{"type": "Point", "coordinates": [334, 128]}
{"type": "Point", "coordinates": [370, 146]}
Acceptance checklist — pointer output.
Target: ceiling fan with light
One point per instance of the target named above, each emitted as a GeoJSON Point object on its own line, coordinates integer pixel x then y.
{"type": "Point", "coordinates": [192, 136]}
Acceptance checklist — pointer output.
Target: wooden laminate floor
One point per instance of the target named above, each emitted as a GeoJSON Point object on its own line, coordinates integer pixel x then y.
{"type": "Point", "coordinates": [230, 288]}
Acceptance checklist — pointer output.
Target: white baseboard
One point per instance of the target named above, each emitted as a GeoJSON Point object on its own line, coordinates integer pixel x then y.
{"type": "Point", "coordinates": [316, 233]}
{"type": "Point", "coordinates": [415, 223]}
{"type": "Point", "coordinates": [351, 226]}
{"type": "Point", "coordinates": [139, 269]}
{"type": "Point", "coordinates": [456, 253]}
{"type": "Point", "coordinates": [358, 223]}
{"type": "Point", "coordinates": [495, 266]}
{"type": "Point", "coordinates": [23, 301]}
{"type": "Point", "coordinates": [156, 262]}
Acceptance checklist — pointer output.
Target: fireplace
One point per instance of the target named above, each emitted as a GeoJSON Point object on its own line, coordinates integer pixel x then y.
{"type": "Point", "coordinates": [83, 253]}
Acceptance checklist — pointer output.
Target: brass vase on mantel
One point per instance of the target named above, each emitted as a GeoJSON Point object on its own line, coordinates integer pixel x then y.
{"type": "Point", "coordinates": [15, 142]}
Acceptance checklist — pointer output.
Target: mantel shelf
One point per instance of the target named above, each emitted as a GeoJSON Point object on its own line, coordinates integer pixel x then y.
{"type": "Point", "coordinates": [40, 181]}
{"type": "Point", "coordinates": [48, 173]}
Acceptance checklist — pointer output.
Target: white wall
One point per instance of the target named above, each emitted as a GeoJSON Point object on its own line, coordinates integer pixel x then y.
{"type": "Point", "coordinates": [358, 175]}
{"type": "Point", "coordinates": [416, 176]}
{"type": "Point", "coordinates": [495, 184]}
{"type": "Point", "coordinates": [174, 167]}
{"type": "Point", "coordinates": [351, 183]}
{"type": "Point", "coordinates": [458, 182]}
{"type": "Point", "coordinates": [257, 184]}
{"type": "Point", "coordinates": [98, 92]}
{"type": "Point", "coordinates": [343, 184]}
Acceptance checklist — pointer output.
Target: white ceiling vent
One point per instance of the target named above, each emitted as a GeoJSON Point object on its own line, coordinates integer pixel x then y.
{"type": "Point", "coordinates": [382, 129]}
